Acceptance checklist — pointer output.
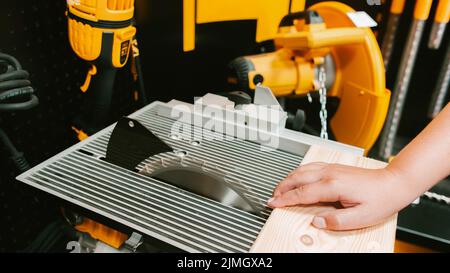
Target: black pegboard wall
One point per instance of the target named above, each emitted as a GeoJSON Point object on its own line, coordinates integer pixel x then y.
{"type": "Point", "coordinates": [35, 32]}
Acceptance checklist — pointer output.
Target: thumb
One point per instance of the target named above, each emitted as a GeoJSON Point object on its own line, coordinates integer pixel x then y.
{"type": "Point", "coordinates": [345, 219]}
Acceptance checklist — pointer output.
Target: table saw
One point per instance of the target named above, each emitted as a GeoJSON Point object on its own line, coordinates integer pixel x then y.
{"type": "Point", "coordinates": [134, 172]}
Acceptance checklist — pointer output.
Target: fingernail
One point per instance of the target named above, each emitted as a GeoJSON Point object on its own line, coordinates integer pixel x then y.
{"type": "Point", "coordinates": [319, 222]}
{"type": "Point", "coordinates": [270, 200]}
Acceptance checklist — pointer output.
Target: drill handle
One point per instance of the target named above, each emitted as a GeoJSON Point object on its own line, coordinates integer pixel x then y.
{"type": "Point", "coordinates": [97, 99]}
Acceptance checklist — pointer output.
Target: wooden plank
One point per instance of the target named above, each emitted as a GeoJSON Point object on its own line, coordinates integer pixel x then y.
{"type": "Point", "coordinates": [290, 230]}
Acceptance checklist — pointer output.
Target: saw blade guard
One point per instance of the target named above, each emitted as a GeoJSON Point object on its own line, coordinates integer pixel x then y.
{"type": "Point", "coordinates": [359, 82]}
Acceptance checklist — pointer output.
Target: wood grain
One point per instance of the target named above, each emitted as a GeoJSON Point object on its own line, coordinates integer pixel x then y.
{"type": "Point", "coordinates": [290, 229]}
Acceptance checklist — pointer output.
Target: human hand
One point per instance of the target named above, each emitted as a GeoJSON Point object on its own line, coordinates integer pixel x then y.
{"type": "Point", "coordinates": [368, 196]}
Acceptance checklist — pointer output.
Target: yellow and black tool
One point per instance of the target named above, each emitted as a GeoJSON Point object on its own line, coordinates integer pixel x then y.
{"type": "Point", "coordinates": [324, 37]}
{"type": "Point", "coordinates": [100, 32]}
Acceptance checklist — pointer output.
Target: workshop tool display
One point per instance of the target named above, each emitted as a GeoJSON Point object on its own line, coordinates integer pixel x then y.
{"type": "Point", "coordinates": [441, 18]}
{"type": "Point", "coordinates": [101, 33]}
{"type": "Point", "coordinates": [387, 46]}
{"type": "Point", "coordinates": [388, 135]}
{"type": "Point", "coordinates": [135, 172]}
{"type": "Point", "coordinates": [16, 94]}
{"type": "Point", "coordinates": [321, 50]}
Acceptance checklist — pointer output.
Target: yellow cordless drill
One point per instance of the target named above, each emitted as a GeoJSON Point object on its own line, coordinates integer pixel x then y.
{"type": "Point", "coordinates": [100, 32]}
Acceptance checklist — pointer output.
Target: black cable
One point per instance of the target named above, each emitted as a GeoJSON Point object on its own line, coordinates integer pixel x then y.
{"type": "Point", "coordinates": [16, 156]}
{"type": "Point", "coordinates": [142, 92]}
{"type": "Point", "coordinates": [135, 54]}
{"type": "Point", "coordinates": [16, 94]}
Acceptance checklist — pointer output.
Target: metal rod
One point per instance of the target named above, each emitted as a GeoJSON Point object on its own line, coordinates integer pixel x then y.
{"type": "Point", "coordinates": [401, 89]}
{"type": "Point", "coordinates": [388, 39]}
{"type": "Point", "coordinates": [441, 89]}
{"type": "Point", "coordinates": [441, 18]}
{"type": "Point", "coordinates": [437, 33]}
{"type": "Point", "coordinates": [396, 9]}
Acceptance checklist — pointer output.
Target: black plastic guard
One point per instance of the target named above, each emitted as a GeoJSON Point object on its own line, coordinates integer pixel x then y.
{"type": "Point", "coordinates": [130, 143]}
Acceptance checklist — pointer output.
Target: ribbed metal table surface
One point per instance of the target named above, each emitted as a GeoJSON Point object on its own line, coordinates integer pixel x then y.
{"type": "Point", "coordinates": [183, 219]}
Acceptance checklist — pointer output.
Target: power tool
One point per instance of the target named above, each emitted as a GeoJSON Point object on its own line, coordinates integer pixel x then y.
{"type": "Point", "coordinates": [100, 32]}
{"type": "Point", "coordinates": [321, 49]}
{"type": "Point", "coordinates": [195, 184]}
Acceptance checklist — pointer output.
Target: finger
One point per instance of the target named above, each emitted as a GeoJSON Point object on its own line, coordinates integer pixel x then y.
{"type": "Point", "coordinates": [296, 180]}
{"type": "Point", "coordinates": [309, 167]}
{"type": "Point", "coordinates": [283, 186]}
{"type": "Point", "coordinates": [346, 219]}
{"type": "Point", "coordinates": [322, 191]}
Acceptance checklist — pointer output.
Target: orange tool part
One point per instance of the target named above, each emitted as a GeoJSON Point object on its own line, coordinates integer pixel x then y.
{"type": "Point", "coordinates": [422, 9]}
{"type": "Point", "coordinates": [397, 6]}
{"type": "Point", "coordinates": [103, 233]}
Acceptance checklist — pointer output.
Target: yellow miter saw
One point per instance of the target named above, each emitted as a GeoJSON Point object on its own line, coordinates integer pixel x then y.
{"type": "Point", "coordinates": [321, 49]}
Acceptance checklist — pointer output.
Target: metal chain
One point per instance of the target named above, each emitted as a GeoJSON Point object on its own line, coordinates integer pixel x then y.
{"type": "Point", "coordinates": [323, 102]}
{"type": "Point", "coordinates": [309, 97]}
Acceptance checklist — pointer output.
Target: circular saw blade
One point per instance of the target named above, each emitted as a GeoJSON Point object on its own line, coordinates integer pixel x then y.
{"type": "Point", "coordinates": [203, 179]}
